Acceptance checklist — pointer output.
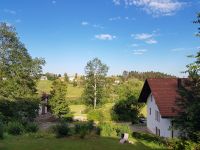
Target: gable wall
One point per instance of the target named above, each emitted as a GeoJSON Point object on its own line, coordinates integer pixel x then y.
{"type": "Point", "coordinates": [164, 123]}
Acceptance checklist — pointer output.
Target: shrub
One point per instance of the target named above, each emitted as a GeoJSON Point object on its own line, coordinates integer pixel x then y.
{"type": "Point", "coordinates": [61, 130]}
{"type": "Point", "coordinates": [179, 144]}
{"type": "Point", "coordinates": [15, 128]}
{"type": "Point", "coordinates": [21, 109]}
{"type": "Point", "coordinates": [82, 129]}
{"type": "Point", "coordinates": [1, 130]}
{"type": "Point", "coordinates": [123, 129]}
{"type": "Point", "coordinates": [127, 110]}
{"type": "Point", "coordinates": [108, 130]}
{"type": "Point", "coordinates": [96, 115]}
{"type": "Point", "coordinates": [32, 127]}
{"type": "Point", "coordinates": [113, 130]}
{"type": "Point", "coordinates": [149, 137]}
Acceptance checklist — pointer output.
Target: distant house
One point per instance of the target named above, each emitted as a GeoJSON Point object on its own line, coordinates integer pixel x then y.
{"type": "Point", "coordinates": [160, 95]}
{"type": "Point", "coordinates": [71, 78]}
{"type": "Point", "coordinates": [117, 81]}
{"type": "Point", "coordinates": [43, 78]}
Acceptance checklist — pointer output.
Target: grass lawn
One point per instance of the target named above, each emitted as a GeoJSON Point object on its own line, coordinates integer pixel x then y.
{"type": "Point", "coordinates": [44, 86]}
{"type": "Point", "coordinates": [51, 143]}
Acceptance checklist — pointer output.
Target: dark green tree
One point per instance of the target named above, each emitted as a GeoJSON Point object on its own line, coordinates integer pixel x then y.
{"type": "Point", "coordinates": [57, 102]}
{"type": "Point", "coordinates": [188, 121]}
{"type": "Point", "coordinates": [18, 70]}
{"type": "Point", "coordinates": [96, 72]}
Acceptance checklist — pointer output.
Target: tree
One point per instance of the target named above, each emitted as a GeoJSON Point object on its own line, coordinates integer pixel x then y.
{"type": "Point", "coordinates": [19, 71]}
{"type": "Point", "coordinates": [188, 120]}
{"type": "Point", "coordinates": [66, 77]}
{"type": "Point", "coordinates": [127, 110]}
{"type": "Point", "coordinates": [96, 72]}
{"type": "Point", "coordinates": [58, 103]}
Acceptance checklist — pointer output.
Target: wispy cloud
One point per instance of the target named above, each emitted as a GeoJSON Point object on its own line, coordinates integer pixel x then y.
{"type": "Point", "coordinates": [9, 11]}
{"type": "Point", "coordinates": [116, 2]}
{"type": "Point", "coordinates": [134, 45]}
{"type": "Point", "coordinates": [154, 7]}
{"type": "Point", "coordinates": [54, 2]}
{"type": "Point", "coordinates": [146, 37]}
{"type": "Point", "coordinates": [180, 49]}
{"type": "Point", "coordinates": [84, 23]}
{"type": "Point", "coordinates": [139, 51]}
{"type": "Point", "coordinates": [122, 18]}
{"type": "Point", "coordinates": [142, 36]}
{"type": "Point", "coordinates": [105, 37]}
{"type": "Point", "coordinates": [151, 41]}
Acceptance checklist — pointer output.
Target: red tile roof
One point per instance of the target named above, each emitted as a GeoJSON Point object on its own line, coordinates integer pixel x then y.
{"type": "Point", "coordinates": [165, 93]}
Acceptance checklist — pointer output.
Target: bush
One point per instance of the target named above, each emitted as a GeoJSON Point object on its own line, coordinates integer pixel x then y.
{"type": "Point", "coordinates": [23, 110]}
{"type": "Point", "coordinates": [61, 130]}
{"type": "Point", "coordinates": [32, 127]}
{"type": "Point", "coordinates": [149, 137]}
{"type": "Point", "coordinates": [127, 110]}
{"type": "Point", "coordinates": [15, 128]}
{"type": "Point", "coordinates": [82, 129]}
{"type": "Point", "coordinates": [113, 130]}
{"type": "Point", "coordinates": [179, 144]}
{"type": "Point", "coordinates": [96, 115]}
{"type": "Point", "coordinates": [1, 130]}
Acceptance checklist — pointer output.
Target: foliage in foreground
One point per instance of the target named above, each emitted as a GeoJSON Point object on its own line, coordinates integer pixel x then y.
{"type": "Point", "coordinates": [23, 110]}
{"type": "Point", "coordinates": [188, 121]}
{"type": "Point", "coordinates": [18, 69]}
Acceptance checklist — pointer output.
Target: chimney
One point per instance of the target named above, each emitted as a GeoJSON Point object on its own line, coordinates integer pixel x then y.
{"type": "Point", "coordinates": [179, 82]}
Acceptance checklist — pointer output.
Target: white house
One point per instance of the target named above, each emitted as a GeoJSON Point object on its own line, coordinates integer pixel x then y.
{"type": "Point", "coordinates": [160, 95]}
{"type": "Point", "coordinates": [43, 78]}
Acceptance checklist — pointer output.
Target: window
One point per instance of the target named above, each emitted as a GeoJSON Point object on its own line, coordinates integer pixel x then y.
{"type": "Point", "coordinates": [149, 111]}
{"type": "Point", "coordinates": [157, 131]}
{"type": "Point", "coordinates": [157, 115]}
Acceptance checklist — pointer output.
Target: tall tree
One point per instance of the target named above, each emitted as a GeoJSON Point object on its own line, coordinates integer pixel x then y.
{"type": "Point", "coordinates": [96, 72]}
{"type": "Point", "coordinates": [188, 121]}
{"type": "Point", "coordinates": [18, 70]}
{"type": "Point", "coordinates": [58, 103]}
{"type": "Point", "coordinates": [66, 77]}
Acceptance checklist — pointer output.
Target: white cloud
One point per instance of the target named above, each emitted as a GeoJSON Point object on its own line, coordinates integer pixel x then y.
{"type": "Point", "coordinates": [134, 45]}
{"type": "Point", "coordinates": [84, 23]}
{"type": "Point", "coordinates": [142, 36]}
{"type": "Point", "coordinates": [105, 37]}
{"type": "Point", "coordinates": [97, 26]}
{"type": "Point", "coordinates": [146, 37]}
{"type": "Point", "coordinates": [12, 12]}
{"type": "Point", "coordinates": [151, 41]}
{"type": "Point", "coordinates": [115, 18]}
{"type": "Point", "coordinates": [155, 7]}
{"type": "Point", "coordinates": [139, 51]}
{"type": "Point", "coordinates": [53, 2]}
{"type": "Point", "coordinates": [177, 49]}
{"type": "Point", "coordinates": [116, 2]}
{"type": "Point", "coordinates": [121, 18]}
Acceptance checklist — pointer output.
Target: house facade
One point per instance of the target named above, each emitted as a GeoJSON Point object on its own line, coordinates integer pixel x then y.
{"type": "Point", "coordinates": [160, 96]}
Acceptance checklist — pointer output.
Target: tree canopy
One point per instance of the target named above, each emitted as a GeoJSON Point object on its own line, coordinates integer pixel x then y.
{"type": "Point", "coordinates": [19, 70]}
{"type": "Point", "coordinates": [95, 82]}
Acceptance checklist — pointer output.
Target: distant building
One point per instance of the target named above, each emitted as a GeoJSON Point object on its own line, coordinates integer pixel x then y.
{"type": "Point", "coordinates": [43, 78]}
{"type": "Point", "coordinates": [71, 78]}
{"type": "Point", "coordinates": [117, 82]}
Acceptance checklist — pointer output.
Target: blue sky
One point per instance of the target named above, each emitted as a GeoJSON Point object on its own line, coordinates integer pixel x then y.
{"type": "Point", "coordinates": [140, 35]}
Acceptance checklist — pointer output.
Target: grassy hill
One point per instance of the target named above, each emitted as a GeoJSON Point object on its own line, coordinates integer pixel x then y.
{"type": "Point", "coordinates": [72, 92]}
